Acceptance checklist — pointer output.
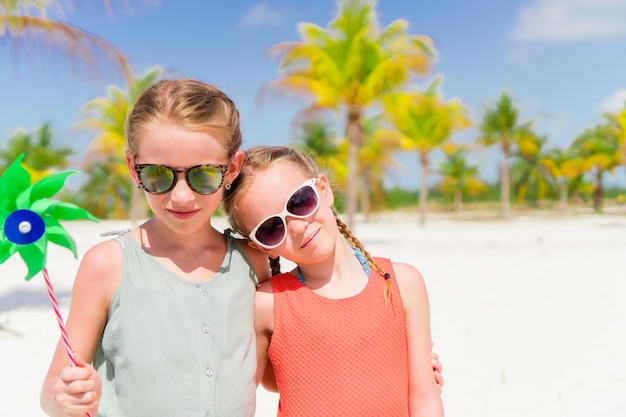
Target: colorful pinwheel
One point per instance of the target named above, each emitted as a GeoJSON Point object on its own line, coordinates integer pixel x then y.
{"type": "Point", "coordinates": [29, 219]}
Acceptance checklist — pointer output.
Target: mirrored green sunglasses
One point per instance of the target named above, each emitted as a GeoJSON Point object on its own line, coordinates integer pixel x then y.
{"type": "Point", "coordinates": [159, 179]}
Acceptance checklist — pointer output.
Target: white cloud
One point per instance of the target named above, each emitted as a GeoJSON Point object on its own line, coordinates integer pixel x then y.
{"type": "Point", "coordinates": [615, 102]}
{"type": "Point", "coordinates": [262, 15]}
{"type": "Point", "coordinates": [570, 20]}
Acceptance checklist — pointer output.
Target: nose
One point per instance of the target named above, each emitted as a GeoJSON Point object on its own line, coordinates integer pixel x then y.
{"type": "Point", "coordinates": [181, 193]}
{"type": "Point", "coordinates": [296, 226]}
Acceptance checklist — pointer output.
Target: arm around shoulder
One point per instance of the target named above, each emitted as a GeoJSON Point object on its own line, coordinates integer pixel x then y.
{"type": "Point", "coordinates": [264, 327]}
{"type": "Point", "coordinates": [259, 260]}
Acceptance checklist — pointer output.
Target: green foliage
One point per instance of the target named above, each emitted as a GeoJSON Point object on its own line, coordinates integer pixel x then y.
{"type": "Point", "coordinates": [42, 155]}
{"type": "Point", "coordinates": [398, 198]}
{"type": "Point", "coordinates": [108, 190]}
{"type": "Point", "coordinates": [348, 66]}
{"type": "Point", "coordinates": [352, 65]}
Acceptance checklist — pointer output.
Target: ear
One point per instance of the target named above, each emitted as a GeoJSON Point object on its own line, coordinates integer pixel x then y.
{"type": "Point", "coordinates": [130, 163]}
{"type": "Point", "coordinates": [326, 191]}
{"type": "Point", "coordinates": [234, 166]}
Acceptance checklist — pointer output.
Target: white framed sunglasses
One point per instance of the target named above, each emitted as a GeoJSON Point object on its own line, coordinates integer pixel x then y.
{"type": "Point", "coordinates": [302, 203]}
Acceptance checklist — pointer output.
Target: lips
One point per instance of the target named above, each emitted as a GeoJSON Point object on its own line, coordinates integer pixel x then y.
{"type": "Point", "coordinates": [308, 240]}
{"type": "Point", "coordinates": [183, 215]}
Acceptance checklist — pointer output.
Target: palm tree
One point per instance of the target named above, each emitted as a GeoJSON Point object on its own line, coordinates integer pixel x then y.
{"type": "Point", "coordinates": [530, 173]}
{"type": "Point", "coordinates": [106, 116]}
{"type": "Point", "coordinates": [459, 178]}
{"type": "Point", "coordinates": [500, 126]}
{"type": "Point", "coordinates": [579, 187]}
{"type": "Point", "coordinates": [26, 24]}
{"type": "Point", "coordinates": [375, 161]}
{"type": "Point", "coordinates": [347, 67]}
{"type": "Point", "coordinates": [598, 147]}
{"type": "Point", "coordinates": [107, 191]}
{"type": "Point", "coordinates": [425, 123]}
{"type": "Point", "coordinates": [317, 138]}
{"type": "Point", "coordinates": [42, 157]}
{"type": "Point", "coordinates": [564, 168]}
{"type": "Point", "coordinates": [616, 122]}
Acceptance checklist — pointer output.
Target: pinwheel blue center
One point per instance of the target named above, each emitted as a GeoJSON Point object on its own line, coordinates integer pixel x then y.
{"type": "Point", "coordinates": [24, 227]}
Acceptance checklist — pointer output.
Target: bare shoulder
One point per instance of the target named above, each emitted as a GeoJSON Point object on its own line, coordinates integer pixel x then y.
{"type": "Point", "coordinates": [407, 273]}
{"type": "Point", "coordinates": [105, 256]}
{"type": "Point", "coordinates": [264, 307]}
{"type": "Point", "coordinates": [100, 269]}
{"type": "Point", "coordinates": [410, 281]}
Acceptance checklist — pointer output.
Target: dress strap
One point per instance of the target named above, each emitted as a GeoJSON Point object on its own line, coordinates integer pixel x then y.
{"type": "Point", "coordinates": [359, 255]}
{"type": "Point", "coordinates": [361, 258]}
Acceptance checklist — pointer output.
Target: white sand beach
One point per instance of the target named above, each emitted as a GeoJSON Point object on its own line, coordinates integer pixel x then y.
{"type": "Point", "coordinates": [528, 314]}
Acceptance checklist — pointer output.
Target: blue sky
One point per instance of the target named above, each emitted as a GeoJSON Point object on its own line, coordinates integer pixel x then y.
{"type": "Point", "coordinates": [563, 61]}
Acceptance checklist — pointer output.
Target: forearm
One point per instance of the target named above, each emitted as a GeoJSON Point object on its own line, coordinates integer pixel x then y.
{"type": "Point", "coordinates": [426, 407]}
{"type": "Point", "coordinates": [269, 379]}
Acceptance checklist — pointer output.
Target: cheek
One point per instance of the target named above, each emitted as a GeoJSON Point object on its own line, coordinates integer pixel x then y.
{"type": "Point", "coordinates": [326, 216]}
{"type": "Point", "coordinates": [211, 200]}
{"type": "Point", "coordinates": [153, 200]}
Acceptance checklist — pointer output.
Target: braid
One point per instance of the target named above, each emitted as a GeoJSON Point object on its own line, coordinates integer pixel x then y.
{"type": "Point", "coordinates": [275, 265]}
{"type": "Point", "coordinates": [353, 241]}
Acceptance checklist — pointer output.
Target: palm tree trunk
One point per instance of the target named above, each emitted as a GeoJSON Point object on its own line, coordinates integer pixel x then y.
{"type": "Point", "coordinates": [597, 191]}
{"type": "Point", "coordinates": [563, 194]}
{"type": "Point", "coordinates": [505, 189]}
{"type": "Point", "coordinates": [354, 134]}
{"type": "Point", "coordinates": [351, 183]}
{"type": "Point", "coordinates": [458, 201]}
{"type": "Point", "coordinates": [365, 197]}
{"type": "Point", "coordinates": [423, 197]}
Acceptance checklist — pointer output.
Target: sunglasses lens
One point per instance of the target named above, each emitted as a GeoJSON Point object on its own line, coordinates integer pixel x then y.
{"type": "Point", "coordinates": [271, 232]}
{"type": "Point", "coordinates": [205, 179]}
{"type": "Point", "coordinates": [303, 202]}
{"type": "Point", "coordinates": [156, 179]}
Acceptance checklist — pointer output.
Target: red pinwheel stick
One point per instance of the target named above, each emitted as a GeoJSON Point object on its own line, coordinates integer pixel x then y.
{"type": "Point", "coordinates": [25, 206]}
{"type": "Point", "coordinates": [57, 312]}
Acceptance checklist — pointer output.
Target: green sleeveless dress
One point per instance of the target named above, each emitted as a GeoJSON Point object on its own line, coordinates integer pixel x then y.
{"type": "Point", "coordinates": [176, 348]}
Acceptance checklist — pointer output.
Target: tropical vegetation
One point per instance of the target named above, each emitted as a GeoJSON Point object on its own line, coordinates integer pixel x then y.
{"type": "Point", "coordinates": [363, 111]}
{"type": "Point", "coordinates": [424, 123]}
{"type": "Point", "coordinates": [109, 189]}
{"type": "Point", "coordinates": [348, 67]}
{"type": "Point", "coordinates": [42, 155]}
{"type": "Point", "coordinates": [26, 25]}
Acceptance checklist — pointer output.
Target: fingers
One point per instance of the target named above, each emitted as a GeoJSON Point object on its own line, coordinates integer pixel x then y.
{"type": "Point", "coordinates": [78, 389]}
{"type": "Point", "coordinates": [438, 378]}
{"type": "Point", "coordinates": [437, 368]}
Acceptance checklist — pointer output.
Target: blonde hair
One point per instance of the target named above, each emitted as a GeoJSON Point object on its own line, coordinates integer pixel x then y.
{"type": "Point", "coordinates": [260, 158]}
{"type": "Point", "coordinates": [191, 104]}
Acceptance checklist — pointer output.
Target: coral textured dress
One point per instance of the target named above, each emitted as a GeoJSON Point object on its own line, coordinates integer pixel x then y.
{"type": "Point", "coordinates": [339, 357]}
